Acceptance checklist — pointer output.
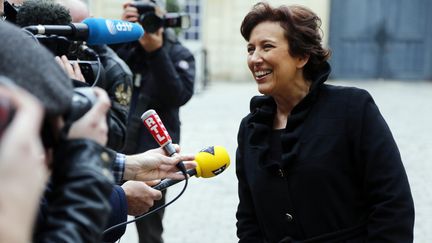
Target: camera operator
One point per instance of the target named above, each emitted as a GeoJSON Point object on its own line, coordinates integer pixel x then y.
{"type": "Point", "coordinates": [164, 73]}
{"type": "Point", "coordinates": [117, 78]}
{"type": "Point", "coordinates": [75, 205]}
{"type": "Point", "coordinates": [20, 192]}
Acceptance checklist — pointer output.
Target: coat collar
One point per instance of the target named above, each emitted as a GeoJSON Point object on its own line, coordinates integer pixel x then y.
{"type": "Point", "coordinates": [260, 123]}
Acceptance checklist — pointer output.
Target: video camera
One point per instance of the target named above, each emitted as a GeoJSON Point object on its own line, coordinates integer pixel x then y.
{"type": "Point", "coordinates": [151, 22]}
{"type": "Point", "coordinates": [60, 45]}
{"type": "Point", "coordinates": [73, 49]}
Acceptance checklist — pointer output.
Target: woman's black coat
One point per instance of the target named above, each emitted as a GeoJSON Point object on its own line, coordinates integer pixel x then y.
{"type": "Point", "coordinates": [340, 178]}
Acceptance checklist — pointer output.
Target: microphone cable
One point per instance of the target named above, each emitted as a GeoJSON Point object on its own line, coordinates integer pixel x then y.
{"type": "Point", "coordinates": [156, 209]}
{"type": "Point", "coordinates": [33, 37]}
{"type": "Point", "coordinates": [90, 51]}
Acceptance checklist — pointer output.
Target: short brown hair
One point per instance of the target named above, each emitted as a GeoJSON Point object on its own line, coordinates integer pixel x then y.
{"type": "Point", "coordinates": [302, 30]}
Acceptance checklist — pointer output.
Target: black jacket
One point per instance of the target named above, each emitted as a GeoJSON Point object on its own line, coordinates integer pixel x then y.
{"type": "Point", "coordinates": [339, 176]}
{"type": "Point", "coordinates": [76, 206]}
{"type": "Point", "coordinates": [116, 80]}
{"type": "Point", "coordinates": [165, 83]}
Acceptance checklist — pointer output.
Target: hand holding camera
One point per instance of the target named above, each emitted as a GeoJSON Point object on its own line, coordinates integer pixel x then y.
{"type": "Point", "coordinates": [72, 69]}
{"type": "Point", "coordinates": [93, 124]}
{"type": "Point", "coordinates": [21, 155]}
{"type": "Point", "coordinates": [152, 17]}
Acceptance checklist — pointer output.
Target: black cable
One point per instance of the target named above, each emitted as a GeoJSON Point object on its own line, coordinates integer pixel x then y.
{"type": "Point", "coordinates": [154, 210]}
{"type": "Point", "coordinates": [98, 71]}
{"type": "Point", "coordinates": [91, 52]}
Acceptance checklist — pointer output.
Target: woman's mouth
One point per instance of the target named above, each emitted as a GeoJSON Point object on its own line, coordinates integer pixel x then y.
{"type": "Point", "coordinates": [259, 75]}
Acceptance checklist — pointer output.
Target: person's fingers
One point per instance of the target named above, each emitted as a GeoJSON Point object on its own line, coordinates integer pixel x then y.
{"type": "Point", "coordinates": [77, 72]}
{"type": "Point", "coordinates": [103, 102]}
{"type": "Point", "coordinates": [68, 67]}
{"type": "Point", "coordinates": [155, 194]}
{"type": "Point", "coordinates": [190, 165]}
{"type": "Point", "coordinates": [130, 14]}
{"type": "Point", "coordinates": [126, 4]}
{"type": "Point", "coordinates": [177, 147]}
{"type": "Point", "coordinates": [60, 62]}
{"type": "Point", "coordinates": [28, 111]}
{"type": "Point", "coordinates": [152, 182]}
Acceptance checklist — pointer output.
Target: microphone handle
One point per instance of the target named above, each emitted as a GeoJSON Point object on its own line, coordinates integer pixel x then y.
{"type": "Point", "coordinates": [169, 182]}
{"type": "Point", "coordinates": [78, 31]}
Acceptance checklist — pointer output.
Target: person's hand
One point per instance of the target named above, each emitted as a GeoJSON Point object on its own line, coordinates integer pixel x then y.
{"type": "Point", "coordinates": [72, 70]}
{"type": "Point", "coordinates": [130, 13]}
{"type": "Point", "coordinates": [23, 172]}
{"type": "Point", "coordinates": [155, 164]}
{"type": "Point", "coordinates": [93, 125]}
{"type": "Point", "coordinates": [152, 41]}
{"type": "Point", "coordinates": [140, 197]}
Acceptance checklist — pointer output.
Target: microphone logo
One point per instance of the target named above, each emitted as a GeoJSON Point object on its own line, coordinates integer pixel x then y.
{"type": "Point", "coordinates": [157, 129]}
{"type": "Point", "coordinates": [123, 26]}
{"type": "Point", "coordinates": [111, 27]}
{"type": "Point", "coordinates": [219, 170]}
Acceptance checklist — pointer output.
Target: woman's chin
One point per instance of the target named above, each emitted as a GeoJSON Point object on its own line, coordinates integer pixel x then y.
{"type": "Point", "coordinates": [264, 89]}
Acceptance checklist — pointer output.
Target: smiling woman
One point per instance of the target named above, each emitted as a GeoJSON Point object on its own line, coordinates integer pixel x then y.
{"type": "Point", "coordinates": [322, 149]}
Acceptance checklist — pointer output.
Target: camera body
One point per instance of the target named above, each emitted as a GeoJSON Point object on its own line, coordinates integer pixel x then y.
{"type": "Point", "coordinates": [83, 100]}
{"type": "Point", "coordinates": [60, 45]}
{"type": "Point", "coordinates": [151, 22]}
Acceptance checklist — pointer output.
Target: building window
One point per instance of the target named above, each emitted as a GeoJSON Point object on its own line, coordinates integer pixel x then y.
{"type": "Point", "coordinates": [193, 8]}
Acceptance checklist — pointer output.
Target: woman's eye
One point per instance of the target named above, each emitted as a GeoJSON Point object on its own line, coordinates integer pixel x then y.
{"type": "Point", "coordinates": [250, 50]}
{"type": "Point", "coordinates": [267, 47]}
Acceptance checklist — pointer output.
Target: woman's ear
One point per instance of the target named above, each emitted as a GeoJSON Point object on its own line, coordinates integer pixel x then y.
{"type": "Point", "coordinates": [301, 61]}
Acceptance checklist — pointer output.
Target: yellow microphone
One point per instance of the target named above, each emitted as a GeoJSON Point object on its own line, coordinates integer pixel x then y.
{"type": "Point", "coordinates": [211, 162]}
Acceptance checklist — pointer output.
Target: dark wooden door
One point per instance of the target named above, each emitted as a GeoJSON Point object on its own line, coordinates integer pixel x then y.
{"type": "Point", "coordinates": [389, 39]}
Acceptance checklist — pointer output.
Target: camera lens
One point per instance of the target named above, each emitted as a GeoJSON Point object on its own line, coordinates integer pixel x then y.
{"type": "Point", "coordinates": [151, 22]}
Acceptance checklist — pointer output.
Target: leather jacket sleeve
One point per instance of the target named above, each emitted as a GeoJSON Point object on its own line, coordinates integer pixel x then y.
{"type": "Point", "coordinates": [77, 203]}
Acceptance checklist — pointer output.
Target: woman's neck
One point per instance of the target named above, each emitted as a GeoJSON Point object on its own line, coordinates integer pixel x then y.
{"type": "Point", "coordinates": [288, 100]}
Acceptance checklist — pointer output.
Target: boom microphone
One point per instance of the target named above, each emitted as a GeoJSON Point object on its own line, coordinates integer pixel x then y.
{"type": "Point", "coordinates": [157, 129]}
{"type": "Point", "coordinates": [95, 31]}
{"type": "Point", "coordinates": [211, 162]}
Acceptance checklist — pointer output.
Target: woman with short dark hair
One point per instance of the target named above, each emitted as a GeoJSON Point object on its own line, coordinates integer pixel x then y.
{"type": "Point", "coordinates": [315, 162]}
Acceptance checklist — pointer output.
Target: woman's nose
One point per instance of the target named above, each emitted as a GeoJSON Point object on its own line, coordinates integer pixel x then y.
{"type": "Point", "coordinates": [256, 57]}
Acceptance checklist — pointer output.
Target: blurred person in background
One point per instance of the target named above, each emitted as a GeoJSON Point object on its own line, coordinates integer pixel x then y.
{"type": "Point", "coordinates": [164, 74]}
{"type": "Point", "coordinates": [325, 151]}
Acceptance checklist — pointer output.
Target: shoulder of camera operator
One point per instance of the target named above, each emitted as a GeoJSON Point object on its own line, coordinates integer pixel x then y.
{"type": "Point", "coordinates": [118, 84]}
{"type": "Point", "coordinates": [118, 75]}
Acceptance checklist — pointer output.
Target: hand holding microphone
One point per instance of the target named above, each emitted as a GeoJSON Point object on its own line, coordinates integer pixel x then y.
{"type": "Point", "coordinates": [155, 126]}
{"type": "Point", "coordinates": [211, 161]}
{"type": "Point", "coordinates": [154, 164]}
